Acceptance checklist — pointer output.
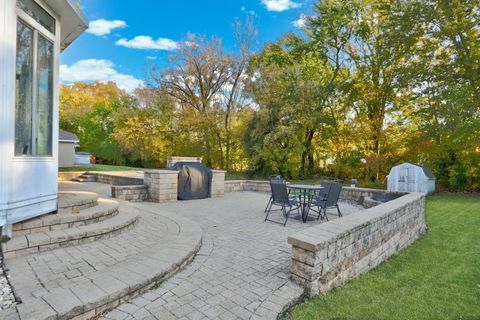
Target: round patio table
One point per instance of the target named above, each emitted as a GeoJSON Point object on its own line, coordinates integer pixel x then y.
{"type": "Point", "coordinates": [305, 197]}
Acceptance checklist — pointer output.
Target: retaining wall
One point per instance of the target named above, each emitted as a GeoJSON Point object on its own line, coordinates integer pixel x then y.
{"type": "Point", "coordinates": [329, 254]}
{"type": "Point", "coordinates": [108, 178]}
{"type": "Point", "coordinates": [116, 180]}
{"type": "Point", "coordinates": [132, 193]}
{"type": "Point", "coordinates": [247, 185]}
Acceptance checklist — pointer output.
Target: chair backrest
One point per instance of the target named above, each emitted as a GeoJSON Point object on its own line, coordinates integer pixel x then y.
{"type": "Point", "coordinates": [279, 190]}
{"type": "Point", "coordinates": [333, 194]}
{"type": "Point", "coordinates": [325, 191]}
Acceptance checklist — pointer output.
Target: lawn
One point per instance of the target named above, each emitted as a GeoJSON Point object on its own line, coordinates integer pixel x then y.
{"type": "Point", "coordinates": [438, 277]}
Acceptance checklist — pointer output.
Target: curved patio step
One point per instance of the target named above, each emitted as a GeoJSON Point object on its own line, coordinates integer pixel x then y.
{"type": "Point", "coordinates": [91, 294]}
{"type": "Point", "coordinates": [74, 201]}
{"type": "Point", "coordinates": [105, 209]}
{"type": "Point", "coordinates": [41, 241]}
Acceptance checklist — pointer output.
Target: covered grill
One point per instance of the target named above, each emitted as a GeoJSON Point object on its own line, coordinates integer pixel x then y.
{"type": "Point", "coordinates": [194, 180]}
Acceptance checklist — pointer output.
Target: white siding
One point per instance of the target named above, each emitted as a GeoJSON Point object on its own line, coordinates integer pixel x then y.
{"type": "Point", "coordinates": [28, 184]}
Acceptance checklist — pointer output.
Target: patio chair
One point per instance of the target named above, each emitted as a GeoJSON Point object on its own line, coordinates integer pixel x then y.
{"type": "Point", "coordinates": [327, 199]}
{"type": "Point", "coordinates": [273, 176]}
{"type": "Point", "coordinates": [281, 198]}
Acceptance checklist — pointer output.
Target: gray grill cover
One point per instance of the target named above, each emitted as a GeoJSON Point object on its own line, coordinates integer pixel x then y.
{"type": "Point", "coordinates": [194, 180]}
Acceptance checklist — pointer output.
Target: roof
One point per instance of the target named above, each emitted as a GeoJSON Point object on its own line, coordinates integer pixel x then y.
{"type": "Point", "coordinates": [65, 136]}
{"type": "Point", "coordinates": [427, 171]}
{"type": "Point", "coordinates": [72, 20]}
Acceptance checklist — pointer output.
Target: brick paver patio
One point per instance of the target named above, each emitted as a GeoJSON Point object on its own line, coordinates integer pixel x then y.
{"type": "Point", "coordinates": [240, 272]}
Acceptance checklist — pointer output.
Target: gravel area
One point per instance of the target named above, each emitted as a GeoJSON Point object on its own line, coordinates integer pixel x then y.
{"type": "Point", "coordinates": [7, 299]}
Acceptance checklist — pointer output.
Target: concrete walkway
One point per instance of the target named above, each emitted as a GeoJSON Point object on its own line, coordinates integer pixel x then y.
{"type": "Point", "coordinates": [240, 272]}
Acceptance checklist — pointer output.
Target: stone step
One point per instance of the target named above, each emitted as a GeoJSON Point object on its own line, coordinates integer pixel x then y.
{"type": "Point", "coordinates": [83, 179]}
{"type": "Point", "coordinates": [105, 209]}
{"type": "Point", "coordinates": [94, 290]}
{"type": "Point", "coordinates": [74, 201]}
{"type": "Point", "coordinates": [42, 241]}
{"type": "Point", "coordinates": [86, 177]}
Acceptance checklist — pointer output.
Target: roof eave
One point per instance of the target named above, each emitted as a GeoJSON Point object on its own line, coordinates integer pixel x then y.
{"type": "Point", "coordinates": [72, 20]}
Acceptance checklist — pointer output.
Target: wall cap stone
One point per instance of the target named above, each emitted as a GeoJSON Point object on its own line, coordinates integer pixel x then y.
{"type": "Point", "coordinates": [162, 171]}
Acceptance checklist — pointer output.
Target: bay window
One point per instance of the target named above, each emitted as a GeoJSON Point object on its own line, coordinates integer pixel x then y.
{"type": "Point", "coordinates": [34, 80]}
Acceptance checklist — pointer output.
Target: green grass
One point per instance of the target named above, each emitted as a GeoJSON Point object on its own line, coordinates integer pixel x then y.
{"type": "Point", "coordinates": [438, 277]}
{"type": "Point", "coordinates": [99, 167]}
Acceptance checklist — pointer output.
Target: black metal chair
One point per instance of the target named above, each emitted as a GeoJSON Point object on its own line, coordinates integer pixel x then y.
{"type": "Point", "coordinates": [273, 176]}
{"type": "Point", "coordinates": [281, 198]}
{"type": "Point", "coordinates": [327, 199]}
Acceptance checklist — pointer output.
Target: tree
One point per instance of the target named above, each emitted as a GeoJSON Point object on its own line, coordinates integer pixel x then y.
{"type": "Point", "coordinates": [200, 70]}
{"type": "Point", "coordinates": [88, 110]}
{"type": "Point", "coordinates": [144, 133]}
{"type": "Point", "coordinates": [374, 40]}
{"type": "Point", "coordinates": [446, 80]}
{"type": "Point", "coordinates": [233, 97]}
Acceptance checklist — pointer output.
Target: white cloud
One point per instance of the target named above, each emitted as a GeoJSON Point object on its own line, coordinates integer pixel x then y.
{"type": "Point", "coordinates": [301, 22]}
{"type": "Point", "coordinates": [146, 42]}
{"type": "Point", "coordinates": [279, 5]}
{"type": "Point", "coordinates": [98, 70]}
{"type": "Point", "coordinates": [102, 27]}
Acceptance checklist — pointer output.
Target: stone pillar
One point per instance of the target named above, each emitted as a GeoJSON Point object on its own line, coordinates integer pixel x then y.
{"type": "Point", "coordinates": [162, 185]}
{"type": "Point", "coordinates": [218, 183]}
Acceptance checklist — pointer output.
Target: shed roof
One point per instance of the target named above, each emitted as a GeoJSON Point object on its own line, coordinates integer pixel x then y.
{"type": "Point", "coordinates": [66, 136]}
{"type": "Point", "coordinates": [427, 171]}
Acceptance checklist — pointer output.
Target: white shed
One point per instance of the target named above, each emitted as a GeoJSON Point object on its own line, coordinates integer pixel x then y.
{"type": "Point", "coordinates": [411, 177]}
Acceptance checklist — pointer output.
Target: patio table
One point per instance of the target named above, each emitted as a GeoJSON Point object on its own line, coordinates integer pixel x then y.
{"type": "Point", "coordinates": [305, 198]}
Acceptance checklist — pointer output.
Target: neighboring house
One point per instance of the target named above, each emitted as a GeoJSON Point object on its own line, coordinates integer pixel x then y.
{"type": "Point", "coordinates": [32, 35]}
{"type": "Point", "coordinates": [67, 142]}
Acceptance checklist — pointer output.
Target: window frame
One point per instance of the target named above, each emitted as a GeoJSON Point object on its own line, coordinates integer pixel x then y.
{"type": "Point", "coordinates": [37, 28]}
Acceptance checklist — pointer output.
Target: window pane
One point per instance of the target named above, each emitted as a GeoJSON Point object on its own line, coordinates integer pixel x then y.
{"type": "Point", "coordinates": [44, 114]}
{"type": "Point", "coordinates": [36, 12]}
{"type": "Point", "coordinates": [24, 80]}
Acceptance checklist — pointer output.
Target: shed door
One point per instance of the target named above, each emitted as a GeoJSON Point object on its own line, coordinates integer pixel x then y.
{"type": "Point", "coordinates": [406, 179]}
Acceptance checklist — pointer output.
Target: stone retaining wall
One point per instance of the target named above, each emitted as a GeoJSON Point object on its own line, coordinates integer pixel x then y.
{"type": "Point", "coordinates": [247, 185]}
{"type": "Point", "coordinates": [329, 254]}
{"type": "Point", "coordinates": [113, 179]}
{"type": "Point", "coordinates": [359, 195]}
{"type": "Point", "coordinates": [116, 180]}
{"type": "Point", "coordinates": [132, 193]}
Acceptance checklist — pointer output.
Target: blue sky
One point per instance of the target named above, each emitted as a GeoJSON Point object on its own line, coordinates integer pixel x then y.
{"type": "Point", "coordinates": [127, 37]}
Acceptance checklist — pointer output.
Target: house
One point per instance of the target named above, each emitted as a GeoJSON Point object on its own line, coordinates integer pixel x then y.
{"type": "Point", "coordinates": [67, 142]}
{"type": "Point", "coordinates": [411, 177]}
{"type": "Point", "coordinates": [32, 35]}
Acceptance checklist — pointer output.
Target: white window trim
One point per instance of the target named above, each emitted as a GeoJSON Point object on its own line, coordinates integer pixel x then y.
{"type": "Point", "coordinates": [55, 39]}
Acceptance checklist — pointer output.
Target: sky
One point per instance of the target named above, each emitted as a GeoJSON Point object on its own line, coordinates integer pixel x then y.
{"type": "Point", "coordinates": [126, 38]}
